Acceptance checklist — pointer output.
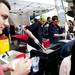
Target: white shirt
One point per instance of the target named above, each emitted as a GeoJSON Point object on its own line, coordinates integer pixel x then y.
{"type": "Point", "coordinates": [65, 66]}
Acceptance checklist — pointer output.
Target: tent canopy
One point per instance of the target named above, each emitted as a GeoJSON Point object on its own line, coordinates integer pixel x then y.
{"type": "Point", "coordinates": [37, 6]}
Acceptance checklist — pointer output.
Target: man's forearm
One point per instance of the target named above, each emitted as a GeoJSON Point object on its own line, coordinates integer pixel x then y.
{"type": "Point", "coordinates": [30, 34]}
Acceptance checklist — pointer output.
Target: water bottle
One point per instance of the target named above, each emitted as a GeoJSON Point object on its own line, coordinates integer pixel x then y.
{"type": "Point", "coordinates": [35, 64]}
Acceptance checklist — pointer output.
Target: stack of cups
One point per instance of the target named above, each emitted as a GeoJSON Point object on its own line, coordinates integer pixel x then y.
{"type": "Point", "coordinates": [35, 64]}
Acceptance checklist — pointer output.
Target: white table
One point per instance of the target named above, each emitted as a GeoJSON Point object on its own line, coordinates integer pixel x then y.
{"type": "Point", "coordinates": [7, 59]}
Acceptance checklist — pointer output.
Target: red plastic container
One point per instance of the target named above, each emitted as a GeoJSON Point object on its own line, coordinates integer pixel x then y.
{"type": "Point", "coordinates": [46, 43]}
{"type": "Point", "coordinates": [21, 55]}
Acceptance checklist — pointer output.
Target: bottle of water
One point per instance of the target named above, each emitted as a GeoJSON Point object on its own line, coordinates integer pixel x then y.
{"type": "Point", "coordinates": [35, 64]}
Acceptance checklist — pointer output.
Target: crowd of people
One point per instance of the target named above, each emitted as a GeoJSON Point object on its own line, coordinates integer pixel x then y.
{"type": "Point", "coordinates": [49, 28]}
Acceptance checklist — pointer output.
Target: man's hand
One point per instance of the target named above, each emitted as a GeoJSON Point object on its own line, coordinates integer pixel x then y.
{"type": "Point", "coordinates": [36, 41]}
{"type": "Point", "coordinates": [7, 67]}
{"type": "Point", "coordinates": [58, 35]}
{"type": "Point", "coordinates": [22, 67]}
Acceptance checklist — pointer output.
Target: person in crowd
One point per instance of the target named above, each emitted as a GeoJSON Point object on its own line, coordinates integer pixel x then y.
{"type": "Point", "coordinates": [67, 66]}
{"type": "Point", "coordinates": [4, 16]}
{"type": "Point", "coordinates": [35, 30]}
{"type": "Point", "coordinates": [71, 25]}
{"type": "Point", "coordinates": [55, 31]}
{"type": "Point", "coordinates": [66, 49]}
{"type": "Point", "coordinates": [45, 27]}
{"type": "Point", "coordinates": [35, 34]}
{"type": "Point", "coordinates": [48, 20]}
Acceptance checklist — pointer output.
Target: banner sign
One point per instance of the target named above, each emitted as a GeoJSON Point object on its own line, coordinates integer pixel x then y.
{"type": "Point", "coordinates": [61, 12]}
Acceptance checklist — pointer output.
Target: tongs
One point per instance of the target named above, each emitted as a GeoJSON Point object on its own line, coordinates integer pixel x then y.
{"type": "Point", "coordinates": [42, 48]}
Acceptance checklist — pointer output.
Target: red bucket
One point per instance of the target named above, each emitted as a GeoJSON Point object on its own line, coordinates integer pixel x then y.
{"type": "Point", "coordinates": [46, 43]}
{"type": "Point", "coordinates": [22, 55]}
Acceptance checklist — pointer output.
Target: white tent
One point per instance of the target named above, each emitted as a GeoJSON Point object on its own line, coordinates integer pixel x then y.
{"type": "Point", "coordinates": [39, 6]}
{"type": "Point", "coordinates": [28, 7]}
{"type": "Point", "coordinates": [54, 12]}
{"type": "Point", "coordinates": [23, 6]}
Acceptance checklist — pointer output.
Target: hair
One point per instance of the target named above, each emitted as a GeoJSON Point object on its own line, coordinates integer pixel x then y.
{"type": "Point", "coordinates": [35, 20]}
{"type": "Point", "coordinates": [48, 18]}
{"type": "Point", "coordinates": [55, 18]}
{"type": "Point", "coordinates": [71, 22]}
{"type": "Point", "coordinates": [6, 3]}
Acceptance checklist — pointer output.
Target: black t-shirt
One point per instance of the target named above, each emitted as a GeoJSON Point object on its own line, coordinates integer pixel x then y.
{"type": "Point", "coordinates": [36, 30]}
{"type": "Point", "coordinates": [54, 29]}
